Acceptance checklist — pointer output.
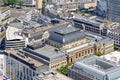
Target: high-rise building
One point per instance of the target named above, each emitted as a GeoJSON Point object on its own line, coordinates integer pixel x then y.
{"type": "Point", "coordinates": [114, 10]}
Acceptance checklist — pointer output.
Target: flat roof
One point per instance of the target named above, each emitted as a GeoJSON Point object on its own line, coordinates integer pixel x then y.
{"type": "Point", "coordinates": [3, 9]}
{"type": "Point", "coordinates": [59, 77]}
{"type": "Point", "coordinates": [47, 53]}
{"type": "Point", "coordinates": [88, 21]}
{"type": "Point", "coordinates": [29, 60]}
{"type": "Point", "coordinates": [112, 56]}
{"type": "Point", "coordinates": [13, 31]}
{"type": "Point", "coordinates": [43, 28]}
{"type": "Point", "coordinates": [67, 30]}
{"type": "Point", "coordinates": [98, 64]}
{"type": "Point", "coordinates": [17, 25]}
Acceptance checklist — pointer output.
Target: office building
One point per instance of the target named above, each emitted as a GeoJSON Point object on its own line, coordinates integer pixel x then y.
{"type": "Point", "coordinates": [31, 28]}
{"type": "Point", "coordinates": [90, 25]}
{"type": "Point", "coordinates": [94, 68]}
{"type": "Point", "coordinates": [2, 62]}
{"type": "Point", "coordinates": [29, 2]}
{"type": "Point", "coordinates": [14, 36]}
{"type": "Point", "coordinates": [24, 66]}
{"type": "Point", "coordinates": [4, 13]}
{"type": "Point", "coordinates": [113, 10]}
{"type": "Point", "coordinates": [63, 45]}
{"type": "Point", "coordinates": [83, 44]}
{"type": "Point", "coordinates": [114, 32]}
{"type": "Point", "coordinates": [113, 56]}
{"type": "Point", "coordinates": [102, 8]}
{"type": "Point", "coordinates": [47, 55]}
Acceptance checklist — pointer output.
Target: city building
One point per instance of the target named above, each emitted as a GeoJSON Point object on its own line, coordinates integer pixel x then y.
{"type": "Point", "coordinates": [113, 56]}
{"type": "Point", "coordinates": [2, 62]}
{"type": "Point", "coordinates": [83, 44]}
{"type": "Point", "coordinates": [69, 6]}
{"type": "Point", "coordinates": [29, 2]}
{"type": "Point", "coordinates": [31, 29]}
{"type": "Point", "coordinates": [90, 25]}
{"type": "Point", "coordinates": [47, 74]}
{"type": "Point", "coordinates": [14, 36]}
{"type": "Point", "coordinates": [47, 55]}
{"type": "Point", "coordinates": [113, 10]}
{"type": "Point", "coordinates": [20, 65]}
{"type": "Point", "coordinates": [102, 8]}
{"type": "Point", "coordinates": [90, 4]}
{"type": "Point", "coordinates": [99, 26]}
{"type": "Point", "coordinates": [4, 13]}
{"type": "Point", "coordinates": [72, 5]}
{"type": "Point", "coordinates": [60, 48]}
{"type": "Point", "coordinates": [114, 32]}
{"type": "Point", "coordinates": [63, 47]}
{"type": "Point", "coordinates": [94, 68]}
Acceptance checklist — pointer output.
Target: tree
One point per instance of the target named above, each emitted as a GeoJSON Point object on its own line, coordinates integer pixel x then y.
{"type": "Point", "coordinates": [5, 2]}
{"type": "Point", "coordinates": [64, 69]}
{"type": "Point", "coordinates": [20, 3]}
{"type": "Point", "coordinates": [13, 2]}
{"type": "Point", "coordinates": [44, 1]}
{"type": "Point", "coordinates": [98, 54]}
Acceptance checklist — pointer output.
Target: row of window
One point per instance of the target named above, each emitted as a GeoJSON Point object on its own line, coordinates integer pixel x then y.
{"type": "Point", "coordinates": [59, 64]}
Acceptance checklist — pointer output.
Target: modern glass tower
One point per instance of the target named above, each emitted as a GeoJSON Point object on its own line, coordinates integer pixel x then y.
{"type": "Point", "coordinates": [114, 10]}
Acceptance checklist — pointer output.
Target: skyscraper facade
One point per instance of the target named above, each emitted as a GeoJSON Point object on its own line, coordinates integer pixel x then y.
{"type": "Point", "coordinates": [114, 10]}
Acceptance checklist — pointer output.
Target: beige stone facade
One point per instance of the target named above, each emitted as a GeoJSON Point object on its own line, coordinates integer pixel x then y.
{"type": "Point", "coordinates": [68, 45]}
{"type": "Point", "coordinates": [70, 6]}
{"type": "Point", "coordinates": [58, 63]}
{"type": "Point", "coordinates": [80, 53]}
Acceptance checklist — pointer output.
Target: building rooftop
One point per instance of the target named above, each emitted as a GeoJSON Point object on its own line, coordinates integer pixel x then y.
{"type": "Point", "coordinates": [112, 56]}
{"type": "Point", "coordinates": [3, 9]}
{"type": "Point", "coordinates": [21, 56]}
{"type": "Point", "coordinates": [14, 31]}
{"type": "Point", "coordinates": [67, 30]}
{"type": "Point", "coordinates": [67, 35]}
{"type": "Point", "coordinates": [98, 64]}
{"type": "Point", "coordinates": [45, 73]}
{"type": "Point", "coordinates": [48, 53]}
{"type": "Point", "coordinates": [90, 22]}
{"type": "Point", "coordinates": [43, 28]}
{"type": "Point", "coordinates": [17, 25]}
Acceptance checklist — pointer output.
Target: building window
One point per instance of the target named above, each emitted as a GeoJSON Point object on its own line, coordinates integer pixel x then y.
{"type": "Point", "coordinates": [79, 54]}
{"type": "Point", "coordinates": [71, 59]}
{"type": "Point", "coordinates": [82, 53]}
{"type": "Point", "coordinates": [76, 55]}
{"type": "Point", "coordinates": [88, 51]}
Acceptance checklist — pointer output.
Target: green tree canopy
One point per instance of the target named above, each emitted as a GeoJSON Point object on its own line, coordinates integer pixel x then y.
{"type": "Point", "coordinates": [44, 1]}
{"type": "Point", "coordinates": [5, 2]}
{"type": "Point", "coordinates": [98, 54]}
